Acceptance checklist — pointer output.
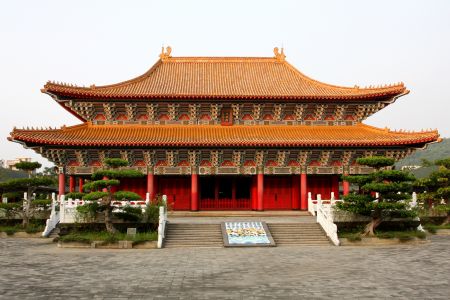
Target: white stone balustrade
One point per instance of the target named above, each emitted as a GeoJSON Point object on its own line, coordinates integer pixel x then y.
{"type": "Point", "coordinates": [162, 222]}
{"type": "Point", "coordinates": [53, 220]}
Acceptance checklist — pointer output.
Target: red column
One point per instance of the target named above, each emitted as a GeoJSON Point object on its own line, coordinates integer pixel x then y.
{"type": "Point", "coordinates": [194, 192]}
{"type": "Point", "coordinates": [151, 186]}
{"type": "Point", "coordinates": [295, 192]}
{"type": "Point", "coordinates": [260, 192]}
{"type": "Point", "coordinates": [61, 184]}
{"type": "Point", "coordinates": [71, 183]}
{"type": "Point", "coordinates": [105, 189]}
{"type": "Point", "coordinates": [303, 193]}
{"type": "Point", "coordinates": [80, 184]}
{"type": "Point", "coordinates": [254, 192]}
{"type": "Point", "coordinates": [346, 187]}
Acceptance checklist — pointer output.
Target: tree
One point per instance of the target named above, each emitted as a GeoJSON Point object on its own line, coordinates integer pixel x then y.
{"type": "Point", "coordinates": [29, 185]}
{"type": "Point", "coordinates": [102, 188]}
{"type": "Point", "coordinates": [435, 189]}
{"type": "Point", "coordinates": [393, 188]}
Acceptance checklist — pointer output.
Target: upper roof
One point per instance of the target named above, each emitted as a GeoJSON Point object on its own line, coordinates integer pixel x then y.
{"type": "Point", "coordinates": [223, 78]}
{"type": "Point", "coordinates": [88, 135]}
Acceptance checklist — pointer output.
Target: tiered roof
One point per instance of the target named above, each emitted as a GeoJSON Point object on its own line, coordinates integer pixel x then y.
{"type": "Point", "coordinates": [263, 78]}
{"type": "Point", "coordinates": [221, 136]}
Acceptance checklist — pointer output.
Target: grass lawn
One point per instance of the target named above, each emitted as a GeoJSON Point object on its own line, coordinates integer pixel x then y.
{"type": "Point", "coordinates": [401, 235]}
{"type": "Point", "coordinates": [432, 228]}
{"type": "Point", "coordinates": [32, 228]}
{"type": "Point", "coordinates": [91, 236]}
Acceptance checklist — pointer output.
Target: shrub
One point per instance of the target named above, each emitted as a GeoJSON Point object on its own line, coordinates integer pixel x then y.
{"type": "Point", "coordinates": [74, 195]}
{"type": "Point", "coordinates": [95, 196]}
{"type": "Point", "coordinates": [42, 203]}
{"type": "Point", "coordinates": [87, 212]}
{"type": "Point", "coordinates": [129, 214]}
{"type": "Point", "coordinates": [126, 195]}
{"type": "Point", "coordinates": [116, 162]}
{"type": "Point", "coordinates": [28, 165]}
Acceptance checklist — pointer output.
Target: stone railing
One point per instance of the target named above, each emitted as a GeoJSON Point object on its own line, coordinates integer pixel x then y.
{"type": "Point", "coordinates": [325, 219]}
{"type": "Point", "coordinates": [312, 204]}
{"type": "Point", "coordinates": [53, 220]}
{"type": "Point", "coordinates": [68, 209]}
{"type": "Point", "coordinates": [162, 222]}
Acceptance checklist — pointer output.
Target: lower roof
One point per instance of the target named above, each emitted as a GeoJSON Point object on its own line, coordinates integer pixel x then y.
{"type": "Point", "coordinates": [89, 135]}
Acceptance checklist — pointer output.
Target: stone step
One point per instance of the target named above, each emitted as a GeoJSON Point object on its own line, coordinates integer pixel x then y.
{"type": "Point", "coordinates": [193, 235]}
{"type": "Point", "coordinates": [300, 234]}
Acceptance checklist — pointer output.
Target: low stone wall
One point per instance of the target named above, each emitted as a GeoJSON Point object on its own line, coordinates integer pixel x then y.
{"type": "Point", "coordinates": [374, 241]}
{"type": "Point", "coordinates": [21, 234]}
{"type": "Point", "coordinates": [101, 245]}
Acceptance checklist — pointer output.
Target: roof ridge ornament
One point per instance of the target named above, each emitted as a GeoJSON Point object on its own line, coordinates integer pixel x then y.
{"type": "Point", "coordinates": [165, 53]}
{"type": "Point", "coordinates": [279, 55]}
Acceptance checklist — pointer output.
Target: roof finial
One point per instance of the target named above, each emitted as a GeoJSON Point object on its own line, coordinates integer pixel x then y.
{"type": "Point", "coordinates": [279, 56]}
{"type": "Point", "coordinates": [165, 54]}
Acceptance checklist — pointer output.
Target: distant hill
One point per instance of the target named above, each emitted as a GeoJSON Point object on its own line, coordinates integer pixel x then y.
{"type": "Point", "coordinates": [7, 174]}
{"type": "Point", "coordinates": [432, 152]}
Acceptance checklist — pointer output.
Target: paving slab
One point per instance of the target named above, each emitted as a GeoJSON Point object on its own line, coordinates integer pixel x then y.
{"type": "Point", "coordinates": [37, 269]}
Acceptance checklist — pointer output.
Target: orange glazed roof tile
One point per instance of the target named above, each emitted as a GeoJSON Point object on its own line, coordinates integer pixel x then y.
{"type": "Point", "coordinates": [223, 78]}
{"type": "Point", "coordinates": [220, 136]}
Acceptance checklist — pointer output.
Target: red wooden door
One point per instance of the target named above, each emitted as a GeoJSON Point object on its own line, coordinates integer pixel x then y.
{"type": "Point", "coordinates": [177, 189]}
{"type": "Point", "coordinates": [323, 185]}
{"type": "Point", "coordinates": [277, 192]}
{"type": "Point", "coordinates": [137, 185]}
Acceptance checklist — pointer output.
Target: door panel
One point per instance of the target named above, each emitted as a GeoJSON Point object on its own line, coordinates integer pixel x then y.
{"type": "Point", "coordinates": [277, 192]}
{"type": "Point", "coordinates": [177, 189]}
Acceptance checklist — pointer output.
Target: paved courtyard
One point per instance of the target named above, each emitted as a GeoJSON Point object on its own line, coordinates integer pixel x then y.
{"type": "Point", "coordinates": [36, 269]}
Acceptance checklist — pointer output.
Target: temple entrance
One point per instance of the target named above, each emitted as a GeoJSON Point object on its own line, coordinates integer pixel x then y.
{"type": "Point", "coordinates": [177, 189]}
{"type": "Point", "coordinates": [278, 192]}
{"type": "Point", "coordinates": [225, 193]}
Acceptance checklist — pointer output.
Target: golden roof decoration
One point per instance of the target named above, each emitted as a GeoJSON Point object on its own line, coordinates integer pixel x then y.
{"type": "Point", "coordinates": [87, 134]}
{"type": "Point", "coordinates": [238, 78]}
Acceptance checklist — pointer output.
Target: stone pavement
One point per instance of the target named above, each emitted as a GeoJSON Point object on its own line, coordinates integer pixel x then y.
{"type": "Point", "coordinates": [36, 269]}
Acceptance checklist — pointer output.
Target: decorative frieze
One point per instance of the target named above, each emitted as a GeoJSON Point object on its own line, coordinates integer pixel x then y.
{"type": "Point", "coordinates": [109, 111]}
{"type": "Point", "coordinates": [149, 157]}
{"type": "Point", "coordinates": [242, 113]}
{"type": "Point", "coordinates": [193, 112]}
{"type": "Point", "coordinates": [151, 111]}
{"type": "Point", "coordinates": [256, 111]}
{"type": "Point", "coordinates": [224, 161]}
{"type": "Point", "coordinates": [131, 110]}
{"type": "Point", "coordinates": [318, 113]}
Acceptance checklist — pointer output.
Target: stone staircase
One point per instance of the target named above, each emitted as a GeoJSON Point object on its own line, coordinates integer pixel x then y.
{"type": "Point", "coordinates": [180, 235]}
{"type": "Point", "coordinates": [185, 235]}
{"type": "Point", "coordinates": [298, 234]}
{"type": "Point", "coordinates": [54, 234]}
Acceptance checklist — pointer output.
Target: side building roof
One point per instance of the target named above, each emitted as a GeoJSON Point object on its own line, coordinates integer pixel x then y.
{"type": "Point", "coordinates": [88, 135]}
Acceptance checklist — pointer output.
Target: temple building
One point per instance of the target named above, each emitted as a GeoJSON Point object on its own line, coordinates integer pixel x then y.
{"type": "Point", "coordinates": [223, 133]}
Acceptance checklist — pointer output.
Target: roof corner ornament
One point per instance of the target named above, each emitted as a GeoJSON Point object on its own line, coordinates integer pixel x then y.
{"type": "Point", "coordinates": [279, 55]}
{"type": "Point", "coordinates": [165, 53]}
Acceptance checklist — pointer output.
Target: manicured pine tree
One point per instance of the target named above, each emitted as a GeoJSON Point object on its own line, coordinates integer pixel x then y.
{"type": "Point", "coordinates": [102, 188]}
{"type": "Point", "coordinates": [393, 188]}
{"type": "Point", "coordinates": [435, 189]}
{"type": "Point", "coordinates": [29, 185]}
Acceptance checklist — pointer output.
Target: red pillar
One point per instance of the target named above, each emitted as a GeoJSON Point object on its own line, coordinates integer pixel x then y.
{"type": "Point", "coordinates": [260, 191]}
{"type": "Point", "coordinates": [346, 187]}
{"type": "Point", "coordinates": [295, 192]}
{"type": "Point", "coordinates": [80, 184]}
{"type": "Point", "coordinates": [105, 189]}
{"type": "Point", "coordinates": [151, 186]}
{"type": "Point", "coordinates": [194, 192]}
{"type": "Point", "coordinates": [303, 193]}
{"type": "Point", "coordinates": [61, 184]}
{"type": "Point", "coordinates": [71, 183]}
{"type": "Point", "coordinates": [254, 193]}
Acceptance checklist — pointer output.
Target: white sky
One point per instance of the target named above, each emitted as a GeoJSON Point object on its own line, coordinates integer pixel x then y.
{"type": "Point", "coordinates": [338, 42]}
